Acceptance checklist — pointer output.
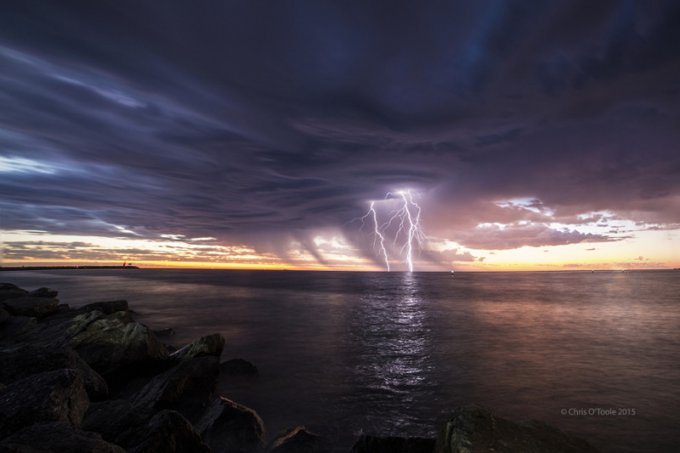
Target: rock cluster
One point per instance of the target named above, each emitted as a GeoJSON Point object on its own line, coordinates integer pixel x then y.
{"type": "Point", "coordinates": [93, 379]}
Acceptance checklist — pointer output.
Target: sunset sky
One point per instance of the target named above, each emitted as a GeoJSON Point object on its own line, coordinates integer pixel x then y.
{"type": "Point", "coordinates": [253, 134]}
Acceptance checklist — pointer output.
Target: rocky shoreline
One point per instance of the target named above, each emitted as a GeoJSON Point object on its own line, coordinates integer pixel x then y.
{"type": "Point", "coordinates": [92, 379]}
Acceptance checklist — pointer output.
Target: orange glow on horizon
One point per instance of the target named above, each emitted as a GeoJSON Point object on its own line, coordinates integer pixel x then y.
{"type": "Point", "coordinates": [646, 250]}
{"type": "Point", "coordinates": [467, 267]}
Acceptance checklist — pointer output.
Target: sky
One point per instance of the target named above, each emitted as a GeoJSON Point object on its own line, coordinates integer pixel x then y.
{"type": "Point", "coordinates": [528, 135]}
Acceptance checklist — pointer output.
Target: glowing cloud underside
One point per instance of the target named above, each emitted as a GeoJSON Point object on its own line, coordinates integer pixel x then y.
{"type": "Point", "coordinates": [403, 222]}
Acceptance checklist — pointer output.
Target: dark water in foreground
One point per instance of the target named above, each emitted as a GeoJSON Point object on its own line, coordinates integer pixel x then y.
{"type": "Point", "coordinates": [387, 354]}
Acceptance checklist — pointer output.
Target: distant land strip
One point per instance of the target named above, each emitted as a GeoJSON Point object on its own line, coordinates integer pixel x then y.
{"type": "Point", "coordinates": [47, 268]}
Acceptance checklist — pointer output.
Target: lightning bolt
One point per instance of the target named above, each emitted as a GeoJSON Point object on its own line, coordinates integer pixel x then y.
{"type": "Point", "coordinates": [379, 235]}
{"type": "Point", "coordinates": [409, 229]}
{"type": "Point", "coordinates": [379, 238]}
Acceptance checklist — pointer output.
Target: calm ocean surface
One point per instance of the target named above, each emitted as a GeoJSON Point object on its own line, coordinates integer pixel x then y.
{"type": "Point", "coordinates": [389, 353]}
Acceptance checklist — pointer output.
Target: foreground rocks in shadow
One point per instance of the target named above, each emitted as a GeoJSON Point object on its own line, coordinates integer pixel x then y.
{"type": "Point", "coordinates": [373, 444]}
{"type": "Point", "coordinates": [51, 360]}
{"type": "Point", "coordinates": [210, 345]}
{"type": "Point", "coordinates": [187, 388]}
{"type": "Point", "coordinates": [9, 291]}
{"type": "Point", "coordinates": [238, 367]}
{"type": "Point", "coordinates": [56, 437]}
{"type": "Point", "coordinates": [44, 292]}
{"type": "Point", "coordinates": [107, 308]}
{"type": "Point", "coordinates": [142, 430]}
{"type": "Point", "coordinates": [298, 440]}
{"type": "Point", "coordinates": [19, 302]}
{"type": "Point", "coordinates": [16, 327]}
{"type": "Point", "coordinates": [103, 334]}
{"type": "Point", "coordinates": [229, 427]}
{"type": "Point", "coordinates": [38, 307]}
{"type": "Point", "coordinates": [18, 362]}
{"type": "Point", "coordinates": [473, 429]}
{"type": "Point", "coordinates": [115, 343]}
{"type": "Point", "coordinates": [54, 396]}
{"type": "Point", "coordinates": [163, 333]}
{"type": "Point", "coordinates": [166, 432]}
{"type": "Point", "coordinates": [115, 420]}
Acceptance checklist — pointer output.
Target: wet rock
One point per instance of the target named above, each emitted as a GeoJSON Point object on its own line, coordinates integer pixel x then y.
{"type": "Point", "coordinates": [473, 429]}
{"type": "Point", "coordinates": [372, 444]}
{"type": "Point", "coordinates": [53, 331]}
{"type": "Point", "coordinates": [238, 367]}
{"type": "Point", "coordinates": [210, 345]}
{"type": "Point", "coordinates": [187, 388]}
{"type": "Point", "coordinates": [38, 307]}
{"type": "Point", "coordinates": [45, 397]}
{"type": "Point", "coordinates": [167, 432]}
{"type": "Point", "coordinates": [44, 292]}
{"type": "Point", "coordinates": [170, 348]}
{"type": "Point", "coordinates": [229, 427]}
{"type": "Point", "coordinates": [19, 362]}
{"type": "Point", "coordinates": [15, 327]}
{"type": "Point", "coordinates": [9, 291]}
{"type": "Point", "coordinates": [114, 343]}
{"type": "Point", "coordinates": [56, 437]}
{"type": "Point", "coordinates": [297, 440]}
{"type": "Point", "coordinates": [107, 308]}
{"type": "Point", "coordinates": [167, 332]}
{"type": "Point", "coordinates": [114, 420]}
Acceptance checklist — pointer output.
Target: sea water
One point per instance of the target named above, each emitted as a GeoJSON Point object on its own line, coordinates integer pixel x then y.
{"type": "Point", "coordinates": [349, 353]}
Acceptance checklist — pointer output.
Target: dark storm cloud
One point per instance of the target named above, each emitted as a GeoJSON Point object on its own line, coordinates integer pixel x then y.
{"type": "Point", "coordinates": [260, 121]}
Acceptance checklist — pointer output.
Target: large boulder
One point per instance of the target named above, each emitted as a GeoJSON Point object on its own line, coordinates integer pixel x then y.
{"type": "Point", "coordinates": [373, 444]}
{"type": "Point", "coordinates": [44, 292]}
{"type": "Point", "coordinates": [9, 291]}
{"type": "Point", "coordinates": [229, 427]}
{"type": "Point", "coordinates": [164, 333]}
{"type": "Point", "coordinates": [210, 345]}
{"type": "Point", "coordinates": [53, 331]}
{"type": "Point", "coordinates": [142, 429]}
{"type": "Point", "coordinates": [16, 327]}
{"type": "Point", "coordinates": [19, 362]}
{"type": "Point", "coordinates": [114, 420]}
{"type": "Point", "coordinates": [54, 396]}
{"type": "Point", "coordinates": [38, 307]}
{"type": "Point", "coordinates": [57, 437]}
{"type": "Point", "coordinates": [298, 440]}
{"type": "Point", "coordinates": [113, 344]}
{"type": "Point", "coordinates": [238, 367]}
{"type": "Point", "coordinates": [107, 307]}
{"type": "Point", "coordinates": [166, 432]}
{"type": "Point", "coordinates": [472, 429]}
{"type": "Point", "coordinates": [187, 388]}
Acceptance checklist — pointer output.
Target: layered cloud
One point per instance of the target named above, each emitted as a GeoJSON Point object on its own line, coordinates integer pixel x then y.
{"type": "Point", "coordinates": [268, 126]}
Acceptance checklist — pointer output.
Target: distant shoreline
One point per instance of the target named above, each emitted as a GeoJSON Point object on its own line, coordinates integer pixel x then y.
{"type": "Point", "coordinates": [50, 268]}
{"type": "Point", "coordinates": [596, 271]}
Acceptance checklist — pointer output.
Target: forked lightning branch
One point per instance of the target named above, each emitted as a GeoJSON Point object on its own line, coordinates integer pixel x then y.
{"type": "Point", "coordinates": [402, 225]}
